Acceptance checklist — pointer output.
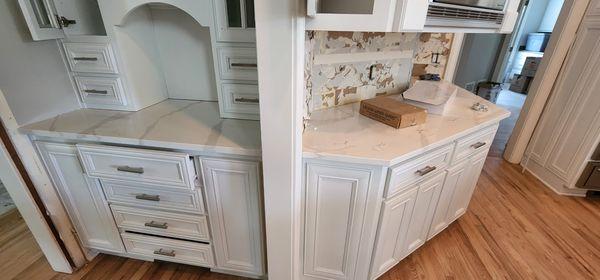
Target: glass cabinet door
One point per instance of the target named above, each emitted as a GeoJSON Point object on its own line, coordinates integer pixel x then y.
{"type": "Point", "coordinates": [235, 20]}
{"type": "Point", "coordinates": [352, 15]}
{"type": "Point", "coordinates": [40, 16]}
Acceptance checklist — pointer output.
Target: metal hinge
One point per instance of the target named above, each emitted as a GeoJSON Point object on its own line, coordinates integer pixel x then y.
{"type": "Point", "coordinates": [64, 22]}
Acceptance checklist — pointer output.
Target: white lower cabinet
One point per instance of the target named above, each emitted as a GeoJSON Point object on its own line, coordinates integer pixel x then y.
{"type": "Point", "coordinates": [82, 198]}
{"type": "Point", "coordinates": [341, 205]}
{"type": "Point", "coordinates": [465, 185]}
{"type": "Point", "coordinates": [234, 207]}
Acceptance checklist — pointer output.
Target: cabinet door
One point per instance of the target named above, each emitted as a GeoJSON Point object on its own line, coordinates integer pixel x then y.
{"type": "Point", "coordinates": [82, 198]}
{"type": "Point", "coordinates": [465, 185]}
{"type": "Point", "coordinates": [341, 206]}
{"type": "Point", "coordinates": [393, 226]}
{"type": "Point", "coordinates": [350, 15]}
{"type": "Point", "coordinates": [233, 198]}
{"type": "Point", "coordinates": [235, 20]}
{"type": "Point", "coordinates": [425, 205]}
{"type": "Point", "coordinates": [41, 20]}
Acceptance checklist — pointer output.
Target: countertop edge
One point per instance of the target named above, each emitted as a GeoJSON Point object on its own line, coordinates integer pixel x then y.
{"type": "Point", "coordinates": [401, 158]}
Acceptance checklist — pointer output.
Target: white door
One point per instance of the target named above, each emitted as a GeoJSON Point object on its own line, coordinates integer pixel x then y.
{"type": "Point", "coordinates": [465, 185]}
{"type": "Point", "coordinates": [82, 197]}
{"type": "Point", "coordinates": [351, 15]}
{"type": "Point", "coordinates": [393, 226]}
{"type": "Point", "coordinates": [234, 207]}
{"type": "Point", "coordinates": [425, 205]}
{"type": "Point", "coordinates": [341, 206]}
{"type": "Point", "coordinates": [40, 16]}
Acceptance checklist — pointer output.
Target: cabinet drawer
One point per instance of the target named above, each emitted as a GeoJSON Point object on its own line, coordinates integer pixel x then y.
{"type": "Point", "coordinates": [237, 64]}
{"type": "Point", "coordinates": [153, 197]}
{"type": "Point", "coordinates": [91, 57]}
{"type": "Point", "coordinates": [240, 99]}
{"type": "Point", "coordinates": [163, 169]}
{"type": "Point", "coordinates": [405, 174]}
{"type": "Point", "coordinates": [470, 144]}
{"type": "Point", "coordinates": [168, 249]}
{"type": "Point", "coordinates": [101, 91]}
{"type": "Point", "coordinates": [161, 223]}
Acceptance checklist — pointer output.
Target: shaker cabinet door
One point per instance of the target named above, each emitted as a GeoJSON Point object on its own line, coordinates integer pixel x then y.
{"type": "Point", "coordinates": [465, 187]}
{"type": "Point", "coordinates": [233, 198]}
{"type": "Point", "coordinates": [82, 198]}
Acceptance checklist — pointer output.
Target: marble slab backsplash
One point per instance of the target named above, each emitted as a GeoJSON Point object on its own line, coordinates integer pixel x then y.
{"type": "Point", "coordinates": [346, 67]}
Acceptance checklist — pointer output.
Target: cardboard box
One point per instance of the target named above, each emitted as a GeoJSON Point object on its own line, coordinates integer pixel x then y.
{"type": "Point", "coordinates": [520, 83]}
{"type": "Point", "coordinates": [532, 63]}
{"type": "Point", "coordinates": [528, 73]}
{"type": "Point", "coordinates": [392, 112]}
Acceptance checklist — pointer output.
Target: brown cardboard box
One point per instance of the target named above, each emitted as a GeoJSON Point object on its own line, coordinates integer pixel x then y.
{"type": "Point", "coordinates": [392, 112]}
{"type": "Point", "coordinates": [520, 83]}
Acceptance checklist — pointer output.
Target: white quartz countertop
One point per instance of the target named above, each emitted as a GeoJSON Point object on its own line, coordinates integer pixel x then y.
{"type": "Point", "coordinates": [342, 134]}
{"type": "Point", "coordinates": [171, 124]}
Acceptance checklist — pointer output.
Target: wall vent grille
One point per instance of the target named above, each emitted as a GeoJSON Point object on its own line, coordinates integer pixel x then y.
{"type": "Point", "coordinates": [447, 12]}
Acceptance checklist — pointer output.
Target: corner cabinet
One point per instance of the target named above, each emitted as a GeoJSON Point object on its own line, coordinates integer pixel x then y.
{"type": "Point", "coordinates": [341, 206]}
{"type": "Point", "coordinates": [234, 205]}
{"type": "Point", "coordinates": [408, 16]}
{"type": "Point", "coordinates": [82, 197]}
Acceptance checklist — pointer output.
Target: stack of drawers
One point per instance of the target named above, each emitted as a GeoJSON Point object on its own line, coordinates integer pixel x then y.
{"type": "Point", "coordinates": [156, 200]}
{"type": "Point", "coordinates": [94, 69]}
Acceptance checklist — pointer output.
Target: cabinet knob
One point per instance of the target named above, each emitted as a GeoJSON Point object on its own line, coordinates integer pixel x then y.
{"type": "Point", "coordinates": [425, 170]}
{"type": "Point", "coordinates": [162, 252]}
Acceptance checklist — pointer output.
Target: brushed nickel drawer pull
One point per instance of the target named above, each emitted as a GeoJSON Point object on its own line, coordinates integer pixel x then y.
{"type": "Point", "coordinates": [128, 169]}
{"type": "Point", "coordinates": [85, 58]}
{"type": "Point", "coordinates": [165, 253]}
{"type": "Point", "coordinates": [156, 225]}
{"type": "Point", "coordinates": [425, 170]}
{"type": "Point", "coordinates": [478, 145]}
{"type": "Point", "coordinates": [246, 100]}
{"type": "Point", "coordinates": [148, 197]}
{"type": "Point", "coordinates": [95, 91]}
{"type": "Point", "coordinates": [245, 65]}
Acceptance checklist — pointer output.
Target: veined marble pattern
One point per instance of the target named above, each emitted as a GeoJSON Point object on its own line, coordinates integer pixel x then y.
{"type": "Point", "coordinates": [341, 133]}
{"type": "Point", "coordinates": [172, 124]}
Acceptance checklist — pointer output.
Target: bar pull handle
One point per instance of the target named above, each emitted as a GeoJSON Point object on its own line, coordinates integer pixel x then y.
{"type": "Point", "coordinates": [478, 145]}
{"type": "Point", "coordinates": [162, 252]}
{"type": "Point", "coordinates": [246, 100]}
{"type": "Point", "coordinates": [148, 197]}
{"type": "Point", "coordinates": [129, 169]}
{"type": "Point", "coordinates": [83, 58]}
{"type": "Point", "coordinates": [154, 224]}
{"type": "Point", "coordinates": [244, 65]}
{"type": "Point", "coordinates": [425, 170]}
{"type": "Point", "coordinates": [95, 91]}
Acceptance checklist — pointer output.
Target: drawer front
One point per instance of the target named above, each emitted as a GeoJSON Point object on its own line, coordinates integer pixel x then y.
{"type": "Point", "coordinates": [162, 169]}
{"type": "Point", "coordinates": [168, 224]}
{"type": "Point", "coordinates": [238, 64]}
{"type": "Point", "coordinates": [125, 193]}
{"type": "Point", "coordinates": [91, 57]}
{"type": "Point", "coordinates": [101, 91]}
{"type": "Point", "coordinates": [469, 145]}
{"type": "Point", "coordinates": [424, 166]}
{"type": "Point", "coordinates": [239, 98]}
{"type": "Point", "coordinates": [166, 249]}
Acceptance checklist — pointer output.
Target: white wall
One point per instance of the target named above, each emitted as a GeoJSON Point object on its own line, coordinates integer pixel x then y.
{"type": "Point", "coordinates": [533, 18]}
{"type": "Point", "coordinates": [551, 15]}
{"type": "Point", "coordinates": [33, 76]}
{"type": "Point", "coordinates": [478, 58]}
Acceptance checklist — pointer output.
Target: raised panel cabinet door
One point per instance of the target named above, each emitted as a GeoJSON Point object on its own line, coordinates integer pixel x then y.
{"type": "Point", "coordinates": [234, 207]}
{"type": "Point", "coordinates": [425, 205]}
{"type": "Point", "coordinates": [338, 204]}
{"type": "Point", "coordinates": [465, 186]}
{"type": "Point", "coordinates": [393, 226]}
{"type": "Point", "coordinates": [235, 21]}
{"type": "Point", "coordinates": [350, 15]}
{"type": "Point", "coordinates": [82, 198]}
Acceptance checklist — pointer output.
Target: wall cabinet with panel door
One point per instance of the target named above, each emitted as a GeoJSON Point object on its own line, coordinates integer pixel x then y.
{"type": "Point", "coordinates": [406, 15]}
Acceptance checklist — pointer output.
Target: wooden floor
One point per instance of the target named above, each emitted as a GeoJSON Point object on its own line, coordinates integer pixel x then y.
{"type": "Point", "coordinates": [515, 228]}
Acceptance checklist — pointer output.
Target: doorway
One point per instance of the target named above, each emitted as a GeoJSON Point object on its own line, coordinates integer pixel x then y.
{"type": "Point", "coordinates": [500, 67]}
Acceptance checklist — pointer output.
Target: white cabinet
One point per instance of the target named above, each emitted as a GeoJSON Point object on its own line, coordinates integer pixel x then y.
{"type": "Point", "coordinates": [393, 227]}
{"type": "Point", "coordinates": [234, 207]}
{"type": "Point", "coordinates": [341, 205]}
{"type": "Point", "coordinates": [235, 20]}
{"type": "Point", "coordinates": [82, 197]}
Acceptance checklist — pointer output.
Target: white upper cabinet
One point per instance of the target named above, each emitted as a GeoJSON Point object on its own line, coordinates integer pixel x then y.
{"type": "Point", "coordinates": [235, 20]}
{"type": "Point", "coordinates": [55, 19]}
{"type": "Point", "coordinates": [491, 16]}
